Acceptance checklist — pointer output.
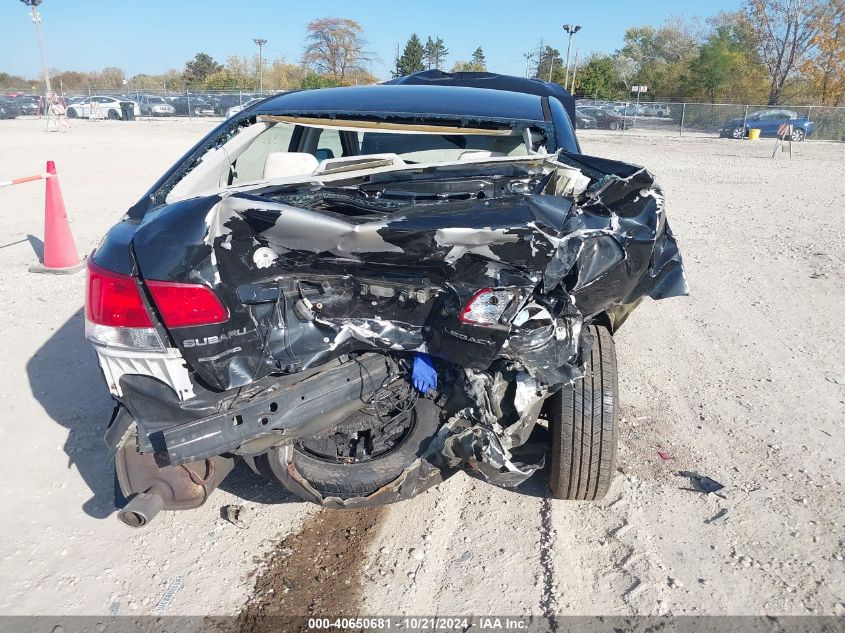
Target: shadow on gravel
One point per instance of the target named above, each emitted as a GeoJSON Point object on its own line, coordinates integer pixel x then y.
{"type": "Point", "coordinates": [65, 379]}
{"type": "Point", "coordinates": [244, 483]}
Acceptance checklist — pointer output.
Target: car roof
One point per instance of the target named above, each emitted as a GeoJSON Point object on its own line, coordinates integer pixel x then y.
{"type": "Point", "coordinates": [410, 100]}
{"type": "Point", "coordinates": [491, 81]}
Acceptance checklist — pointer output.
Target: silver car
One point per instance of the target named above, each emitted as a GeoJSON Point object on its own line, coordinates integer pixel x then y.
{"type": "Point", "coordinates": [153, 105]}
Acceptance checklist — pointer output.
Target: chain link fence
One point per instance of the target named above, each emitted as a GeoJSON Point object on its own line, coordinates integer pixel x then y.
{"type": "Point", "coordinates": [709, 119]}
{"type": "Point", "coordinates": [659, 117]}
{"type": "Point", "coordinates": [150, 103]}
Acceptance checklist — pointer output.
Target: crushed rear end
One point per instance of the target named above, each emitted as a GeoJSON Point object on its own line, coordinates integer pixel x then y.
{"type": "Point", "coordinates": [331, 320]}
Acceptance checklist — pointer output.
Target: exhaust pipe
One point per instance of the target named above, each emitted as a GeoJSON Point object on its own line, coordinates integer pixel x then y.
{"type": "Point", "coordinates": [143, 507]}
{"type": "Point", "coordinates": [151, 487]}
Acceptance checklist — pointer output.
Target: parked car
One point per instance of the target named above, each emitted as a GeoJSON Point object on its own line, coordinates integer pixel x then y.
{"type": "Point", "coordinates": [584, 121]}
{"type": "Point", "coordinates": [154, 105]}
{"type": "Point", "coordinates": [607, 118]}
{"type": "Point", "coordinates": [8, 109]}
{"type": "Point", "coordinates": [237, 108]}
{"type": "Point", "coordinates": [768, 122]}
{"type": "Point", "coordinates": [26, 104]}
{"type": "Point", "coordinates": [656, 109]}
{"type": "Point", "coordinates": [629, 109]}
{"type": "Point", "coordinates": [359, 328]}
{"type": "Point", "coordinates": [198, 106]}
{"type": "Point", "coordinates": [107, 106]}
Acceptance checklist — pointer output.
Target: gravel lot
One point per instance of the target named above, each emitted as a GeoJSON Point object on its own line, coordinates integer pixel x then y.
{"type": "Point", "coordinates": [743, 381]}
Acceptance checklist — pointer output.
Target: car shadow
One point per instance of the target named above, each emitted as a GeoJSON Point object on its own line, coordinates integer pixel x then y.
{"type": "Point", "coordinates": [65, 379]}
{"type": "Point", "coordinates": [244, 483]}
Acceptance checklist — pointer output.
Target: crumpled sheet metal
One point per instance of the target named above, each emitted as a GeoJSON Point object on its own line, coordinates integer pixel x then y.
{"type": "Point", "coordinates": [605, 247]}
{"type": "Point", "coordinates": [462, 443]}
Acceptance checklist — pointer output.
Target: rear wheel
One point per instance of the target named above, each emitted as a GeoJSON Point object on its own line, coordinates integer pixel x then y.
{"type": "Point", "coordinates": [797, 134]}
{"type": "Point", "coordinates": [366, 451]}
{"type": "Point", "coordinates": [114, 115]}
{"type": "Point", "coordinates": [614, 125]}
{"type": "Point", "coordinates": [583, 420]}
{"type": "Point", "coordinates": [71, 113]}
{"type": "Point", "coordinates": [737, 133]}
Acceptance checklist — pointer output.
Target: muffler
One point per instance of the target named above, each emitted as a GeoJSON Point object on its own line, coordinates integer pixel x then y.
{"type": "Point", "coordinates": [151, 487]}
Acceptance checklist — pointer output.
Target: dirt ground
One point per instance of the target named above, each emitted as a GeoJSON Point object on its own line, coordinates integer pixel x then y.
{"type": "Point", "coordinates": [742, 381]}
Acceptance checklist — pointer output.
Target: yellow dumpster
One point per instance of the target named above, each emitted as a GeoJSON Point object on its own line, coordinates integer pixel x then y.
{"type": "Point", "coordinates": [753, 134]}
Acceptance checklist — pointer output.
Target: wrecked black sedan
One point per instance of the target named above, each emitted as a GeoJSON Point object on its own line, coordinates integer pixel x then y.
{"type": "Point", "coordinates": [361, 291]}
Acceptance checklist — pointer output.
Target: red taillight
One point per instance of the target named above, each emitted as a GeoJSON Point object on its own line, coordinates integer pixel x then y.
{"type": "Point", "coordinates": [486, 306]}
{"type": "Point", "coordinates": [113, 299]}
{"type": "Point", "coordinates": [183, 305]}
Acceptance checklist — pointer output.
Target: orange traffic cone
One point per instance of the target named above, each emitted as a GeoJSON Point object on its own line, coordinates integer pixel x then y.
{"type": "Point", "coordinates": [60, 256]}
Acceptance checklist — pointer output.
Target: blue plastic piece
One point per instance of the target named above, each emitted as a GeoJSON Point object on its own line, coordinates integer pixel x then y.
{"type": "Point", "coordinates": [423, 373]}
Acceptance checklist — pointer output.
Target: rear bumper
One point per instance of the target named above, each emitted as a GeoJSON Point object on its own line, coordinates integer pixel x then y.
{"type": "Point", "coordinates": [248, 421]}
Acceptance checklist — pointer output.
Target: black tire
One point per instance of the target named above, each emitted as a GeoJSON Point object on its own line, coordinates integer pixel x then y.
{"type": "Point", "coordinates": [71, 113]}
{"type": "Point", "coordinates": [584, 425]}
{"type": "Point", "coordinates": [114, 115]}
{"type": "Point", "coordinates": [614, 125]}
{"type": "Point", "coordinates": [737, 133]}
{"type": "Point", "coordinates": [797, 134]}
{"type": "Point", "coordinates": [359, 479]}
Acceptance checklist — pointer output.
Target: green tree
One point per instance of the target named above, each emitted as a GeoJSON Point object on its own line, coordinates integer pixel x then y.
{"type": "Point", "coordinates": [12, 81]}
{"type": "Point", "coordinates": [550, 66]}
{"type": "Point", "coordinates": [411, 59]}
{"type": "Point", "coordinates": [597, 77]}
{"type": "Point", "coordinates": [199, 68]}
{"type": "Point", "coordinates": [434, 53]}
{"type": "Point", "coordinates": [718, 59]}
{"type": "Point", "coordinates": [313, 80]}
{"type": "Point", "coordinates": [726, 67]}
{"type": "Point", "coordinates": [656, 57]}
{"type": "Point", "coordinates": [476, 65]}
{"type": "Point", "coordinates": [479, 60]}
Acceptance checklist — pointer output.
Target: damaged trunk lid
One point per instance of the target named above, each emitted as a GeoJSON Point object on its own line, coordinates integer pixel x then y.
{"type": "Point", "coordinates": [391, 261]}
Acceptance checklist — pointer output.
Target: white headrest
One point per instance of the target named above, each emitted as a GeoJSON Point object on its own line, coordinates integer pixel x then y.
{"type": "Point", "coordinates": [281, 164]}
{"type": "Point", "coordinates": [472, 154]}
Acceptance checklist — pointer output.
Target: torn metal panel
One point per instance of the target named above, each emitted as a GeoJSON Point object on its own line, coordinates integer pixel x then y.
{"type": "Point", "coordinates": [383, 265]}
{"type": "Point", "coordinates": [314, 307]}
{"type": "Point", "coordinates": [358, 268]}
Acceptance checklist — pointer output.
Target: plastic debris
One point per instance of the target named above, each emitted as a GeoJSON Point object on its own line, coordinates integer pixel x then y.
{"type": "Point", "coordinates": [237, 515]}
{"type": "Point", "coordinates": [700, 483]}
{"type": "Point", "coordinates": [664, 456]}
{"type": "Point", "coordinates": [719, 518]}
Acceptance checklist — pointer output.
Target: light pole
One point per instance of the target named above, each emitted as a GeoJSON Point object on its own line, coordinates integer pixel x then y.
{"type": "Point", "coordinates": [261, 44]}
{"type": "Point", "coordinates": [572, 29]}
{"type": "Point", "coordinates": [36, 19]}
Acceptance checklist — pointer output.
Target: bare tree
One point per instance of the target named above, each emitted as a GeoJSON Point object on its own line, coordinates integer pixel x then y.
{"type": "Point", "coordinates": [784, 31]}
{"type": "Point", "coordinates": [335, 47]}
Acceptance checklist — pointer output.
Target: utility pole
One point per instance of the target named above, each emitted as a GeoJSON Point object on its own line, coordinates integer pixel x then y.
{"type": "Point", "coordinates": [574, 70]}
{"type": "Point", "coordinates": [571, 29]}
{"type": "Point", "coordinates": [36, 19]}
{"type": "Point", "coordinates": [261, 43]}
